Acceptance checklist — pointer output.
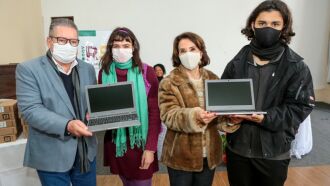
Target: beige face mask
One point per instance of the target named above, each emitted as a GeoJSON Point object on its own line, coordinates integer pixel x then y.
{"type": "Point", "coordinates": [190, 60]}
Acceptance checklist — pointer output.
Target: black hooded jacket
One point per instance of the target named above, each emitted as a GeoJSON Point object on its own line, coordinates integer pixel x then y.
{"type": "Point", "coordinates": [288, 99]}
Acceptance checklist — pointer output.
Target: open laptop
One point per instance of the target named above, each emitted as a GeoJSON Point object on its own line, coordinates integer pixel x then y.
{"type": "Point", "coordinates": [111, 106]}
{"type": "Point", "coordinates": [230, 96]}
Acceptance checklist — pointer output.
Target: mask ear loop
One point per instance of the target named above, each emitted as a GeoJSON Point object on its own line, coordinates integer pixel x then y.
{"type": "Point", "coordinates": [253, 28]}
{"type": "Point", "coordinates": [109, 48]}
{"type": "Point", "coordinates": [134, 45]}
{"type": "Point", "coordinates": [200, 61]}
{"type": "Point", "coordinates": [281, 34]}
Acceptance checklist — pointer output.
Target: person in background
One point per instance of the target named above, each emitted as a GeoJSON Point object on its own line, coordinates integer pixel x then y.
{"type": "Point", "coordinates": [192, 145]}
{"type": "Point", "coordinates": [160, 71]}
{"type": "Point", "coordinates": [131, 152]}
{"type": "Point", "coordinates": [51, 97]}
{"type": "Point", "coordinates": [258, 152]}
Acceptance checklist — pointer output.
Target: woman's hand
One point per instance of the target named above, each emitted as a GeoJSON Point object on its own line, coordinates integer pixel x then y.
{"type": "Point", "coordinates": [233, 119]}
{"type": "Point", "coordinates": [147, 159]}
{"type": "Point", "coordinates": [206, 117]}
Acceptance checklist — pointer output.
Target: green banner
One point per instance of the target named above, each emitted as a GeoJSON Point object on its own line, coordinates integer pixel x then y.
{"type": "Point", "coordinates": [87, 33]}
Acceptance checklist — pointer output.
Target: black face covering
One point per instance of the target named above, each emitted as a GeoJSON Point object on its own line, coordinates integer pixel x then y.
{"type": "Point", "coordinates": [159, 78]}
{"type": "Point", "coordinates": [266, 37]}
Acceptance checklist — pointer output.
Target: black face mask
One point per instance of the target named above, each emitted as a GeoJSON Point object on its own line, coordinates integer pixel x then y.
{"type": "Point", "coordinates": [267, 37]}
{"type": "Point", "coordinates": [159, 78]}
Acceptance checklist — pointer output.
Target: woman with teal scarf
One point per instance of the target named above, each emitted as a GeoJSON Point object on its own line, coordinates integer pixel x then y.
{"type": "Point", "coordinates": [130, 152]}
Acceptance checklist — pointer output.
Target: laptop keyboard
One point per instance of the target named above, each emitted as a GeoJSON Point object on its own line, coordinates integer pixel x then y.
{"type": "Point", "coordinates": [112, 119]}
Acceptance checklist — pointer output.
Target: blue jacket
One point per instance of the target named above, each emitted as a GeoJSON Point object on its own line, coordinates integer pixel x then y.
{"type": "Point", "coordinates": [45, 105]}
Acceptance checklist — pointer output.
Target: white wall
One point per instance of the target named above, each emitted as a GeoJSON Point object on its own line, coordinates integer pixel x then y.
{"type": "Point", "coordinates": [312, 27]}
{"type": "Point", "coordinates": [157, 22]}
{"type": "Point", "coordinates": [21, 30]}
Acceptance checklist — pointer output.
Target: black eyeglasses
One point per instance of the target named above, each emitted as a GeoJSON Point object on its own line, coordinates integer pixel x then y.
{"type": "Point", "coordinates": [63, 41]}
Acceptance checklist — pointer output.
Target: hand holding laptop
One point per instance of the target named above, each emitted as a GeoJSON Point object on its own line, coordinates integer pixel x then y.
{"type": "Point", "coordinates": [206, 117]}
{"type": "Point", "coordinates": [238, 118]}
{"type": "Point", "coordinates": [78, 128]}
{"type": "Point", "coordinates": [233, 122]}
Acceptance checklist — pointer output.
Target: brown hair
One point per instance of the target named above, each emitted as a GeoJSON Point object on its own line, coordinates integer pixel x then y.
{"type": "Point", "coordinates": [197, 40]}
{"type": "Point", "coordinates": [271, 5]}
{"type": "Point", "coordinates": [121, 34]}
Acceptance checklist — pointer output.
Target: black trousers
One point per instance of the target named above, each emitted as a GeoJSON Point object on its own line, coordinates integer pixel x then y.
{"type": "Point", "coordinates": [244, 171]}
{"type": "Point", "coordinates": [186, 178]}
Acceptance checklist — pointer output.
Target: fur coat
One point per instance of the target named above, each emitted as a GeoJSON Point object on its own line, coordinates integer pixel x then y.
{"type": "Point", "coordinates": [179, 105]}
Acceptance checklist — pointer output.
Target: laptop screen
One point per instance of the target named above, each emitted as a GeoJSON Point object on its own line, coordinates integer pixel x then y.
{"type": "Point", "coordinates": [236, 94]}
{"type": "Point", "coordinates": [108, 98]}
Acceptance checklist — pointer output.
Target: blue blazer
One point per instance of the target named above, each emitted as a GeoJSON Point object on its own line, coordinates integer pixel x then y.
{"type": "Point", "coordinates": [45, 105]}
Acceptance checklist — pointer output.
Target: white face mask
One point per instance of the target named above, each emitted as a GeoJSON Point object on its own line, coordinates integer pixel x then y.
{"type": "Point", "coordinates": [64, 53]}
{"type": "Point", "coordinates": [122, 55]}
{"type": "Point", "coordinates": [190, 60]}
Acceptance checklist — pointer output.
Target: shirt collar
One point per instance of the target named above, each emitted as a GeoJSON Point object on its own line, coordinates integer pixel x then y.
{"type": "Point", "coordinates": [60, 68]}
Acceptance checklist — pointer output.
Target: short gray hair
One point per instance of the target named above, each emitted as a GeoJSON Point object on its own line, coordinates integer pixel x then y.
{"type": "Point", "coordinates": [61, 22]}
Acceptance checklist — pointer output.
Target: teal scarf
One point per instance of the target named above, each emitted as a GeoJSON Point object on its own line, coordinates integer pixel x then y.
{"type": "Point", "coordinates": [137, 134]}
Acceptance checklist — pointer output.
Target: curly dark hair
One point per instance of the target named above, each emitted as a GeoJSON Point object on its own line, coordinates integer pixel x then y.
{"type": "Point", "coordinates": [121, 34]}
{"type": "Point", "coordinates": [270, 5]}
{"type": "Point", "coordinates": [197, 40]}
{"type": "Point", "coordinates": [161, 66]}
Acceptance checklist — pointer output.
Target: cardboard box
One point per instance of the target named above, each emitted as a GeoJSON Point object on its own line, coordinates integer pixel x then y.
{"type": "Point", "coordinates": [9, 134]}
{"type": "Point", "coordinates": [8, 106]}
{"type": "Point", "coordinates": [8, 131]}
{"type": "Point", "coordinates": [9, 138]}
{"type": "Point", "coordinates": [8, 123]}
{"type": "Point", "coordinates": [8, 116]}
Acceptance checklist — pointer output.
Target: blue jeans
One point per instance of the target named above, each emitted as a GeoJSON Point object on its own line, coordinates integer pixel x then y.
{"type": "Point", "coordinates": [72, 176]}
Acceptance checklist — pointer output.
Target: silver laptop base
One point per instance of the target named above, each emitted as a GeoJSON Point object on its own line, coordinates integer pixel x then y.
{"type": "Point", "coordinates": [239, 113]}
{"type": "Point", "coordinates": [116, 125]}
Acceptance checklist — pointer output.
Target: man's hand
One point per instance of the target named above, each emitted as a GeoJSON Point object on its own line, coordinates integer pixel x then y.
{"type": "Point", "coordinates": [78, 128]}
{"type": "Point", "coordinates": [147, 159]}
{"type": "Point", "coordinates": [258, 118]}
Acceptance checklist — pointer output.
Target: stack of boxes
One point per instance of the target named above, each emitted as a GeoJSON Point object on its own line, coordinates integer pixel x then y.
{"type": "Point", "coordinates": [10, 127]}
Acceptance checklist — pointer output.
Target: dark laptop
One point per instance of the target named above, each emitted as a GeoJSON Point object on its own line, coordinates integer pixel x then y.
{"type": "Point", "coordinates": [230, 96]}
{"type": "Point", "coordinates": [111, 106]}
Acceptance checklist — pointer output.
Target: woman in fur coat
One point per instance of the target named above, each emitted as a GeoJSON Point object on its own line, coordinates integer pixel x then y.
{"type": "Point", "coordinates": [192, 146]}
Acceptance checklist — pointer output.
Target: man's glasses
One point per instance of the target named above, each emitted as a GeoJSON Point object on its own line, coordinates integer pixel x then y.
{"type": "Point", "coordinates": [63, 41]}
